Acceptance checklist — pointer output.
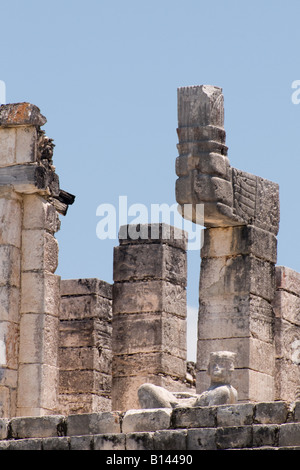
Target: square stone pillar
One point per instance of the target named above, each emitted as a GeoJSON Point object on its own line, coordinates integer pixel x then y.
{"type": "Point", "coordinates": [85, 349]}
{"type": "Point", "coordinates": [39, 309]}
{"type": "Point", "coordinates": [287, 334]}
{"type": "Point", "coordinates": [10, 265]}
{"type": "Point", "coordinates": [237, 286]}
{"type": "Point", "coordinates": [149, 312]}
{"type": "Point", "coordinates": [30, 199]}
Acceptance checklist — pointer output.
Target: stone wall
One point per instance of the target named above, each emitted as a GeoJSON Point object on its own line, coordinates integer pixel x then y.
{"type": "Point", "coordinates": [263, 426]}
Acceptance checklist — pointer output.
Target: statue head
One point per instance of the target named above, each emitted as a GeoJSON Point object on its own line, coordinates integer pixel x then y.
{"type": "Point", "coordinates": [221, 366]}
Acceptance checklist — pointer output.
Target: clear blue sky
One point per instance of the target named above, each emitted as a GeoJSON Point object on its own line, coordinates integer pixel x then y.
{"type": "Point", "coordinates": [105, 73]}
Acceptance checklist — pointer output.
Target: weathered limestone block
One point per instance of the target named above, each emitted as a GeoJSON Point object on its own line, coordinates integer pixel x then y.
{"type": "Point", "coordinates": [265, 435]}
{"type": "Point", "coordinates": [149, 332]}
{"type": "Point", "coordinates": [190, 417]}
{"type": "Point", "coordinates": [151, 296]}
{"type": "Point", "coordinates": [81, 402]}
{"type": "Point", "coordinates": [137, 234]}
{"type": "Point", "coordinates": [139, 262]}
{"type": "Point", "coordinates": [238, 275]}
{"type": "Point", "coordinates": [40, 293]}
{"type": "Point", "coordinates": [35, 348]}
{"type": "Point", "coordinates": [235, 415]}
{"type": "Point", "coordinates": [81, 381]}
{"type": "Point", "coordinates": [289, 434]}
{"type": "Point", "coordinates": [39, 214]}
{"type": "Point", "coordinates": [26, 145]}
{"type": "Point", "coordinates": [36, 400]}
{"type": "Point", "coordinates": [37, 427]}
{"type": "Point", "coordinates": [10, 217]}
{"type": "Point", "coordinates": [8, 147]}
{"type": "Point", "coordinates": [109, 442]}
{"type": "Point", "coordinates": [81, 442]}
{"type": "Point", "coordinates": [242, 240]}
{"type": "Point", "coordinates": [93, 423]}
{"type": "Point", "coordinates": [9, 303]}
{"type": "Point", "coordinates": [201, 439]}
{"type": "Point", "coordinates": [21, 114]}
{"type": "Point", "coordinates": [56, 443]}
{"type": "Point", "coordinates": [236, 437]}
{"type": "Point", "coordinates": [78, 287]}
{"type": "Point", "coordinates": [40, 251]}
{"type": "Point", "coordinates": [169, 440]}
{"type": "Point", "coordinates": [146, 420]}
{"type": "Point", "coordinates": [287, 306]}
{"type": "Point", "coordinates": [288, 279]}
{"type": "Point", "coordinates": [9, 266]}
{"type": "Point", "coordinates": [271, 413]}
{"type": "Point", "coordinates": [18, 145]}
{"type": "Point", "coordinates": [85, 355]}
{"type": "Point", "coordinates": [25, 444]}
{"type": "Point", "coordinates": [234, 316]}
{"type": "Point", "coordinates": [140, 441]}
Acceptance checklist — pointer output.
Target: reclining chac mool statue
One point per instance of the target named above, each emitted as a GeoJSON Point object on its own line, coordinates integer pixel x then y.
{"type": "Point", "coordinates": [220, 368]}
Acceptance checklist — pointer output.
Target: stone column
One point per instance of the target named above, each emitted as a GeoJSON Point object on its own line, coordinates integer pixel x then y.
{"type": "Point", "coordinates": [287, 334]}
{"type": "Point", "coordinates": [10, 262]}
{"type": "Point", "coordinates": [235, 313]}
{"type": "Point", "coordinates": [39, 309]}
{"type": "Point", "coordinates": [241, 216]}
{"type": "Point", "coordinates": [85, 349]}
{"type": "Point", "coordinates": [30, 198]}
{"type": "Point", "coordinates": [149, 312]}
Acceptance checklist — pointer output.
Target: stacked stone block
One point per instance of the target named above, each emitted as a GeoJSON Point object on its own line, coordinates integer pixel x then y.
{"type": "Point", "coordinates": [39, 309]}
{"type": "Point", "coordinates": [10, 295]}
{"type": "Point", "coordinates": [85, 349]}
{"type": "Point", "coordinates": [149, 311]}
{"type": "Point", "coordinates": [235, 311]}
{"type": "Point", "coordinates": [287, 334]}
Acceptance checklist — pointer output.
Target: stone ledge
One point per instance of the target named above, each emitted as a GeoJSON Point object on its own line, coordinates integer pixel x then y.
{"type": "Point", "coordinates": [78, 287]}
{"type": "Point", "coordinates": [21, 114]}
{"type": "Point", "coordinates": [274, 425]}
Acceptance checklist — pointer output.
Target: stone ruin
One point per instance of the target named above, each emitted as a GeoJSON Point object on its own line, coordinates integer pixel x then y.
{"type": "Point", "coordinates": [74, 353]}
